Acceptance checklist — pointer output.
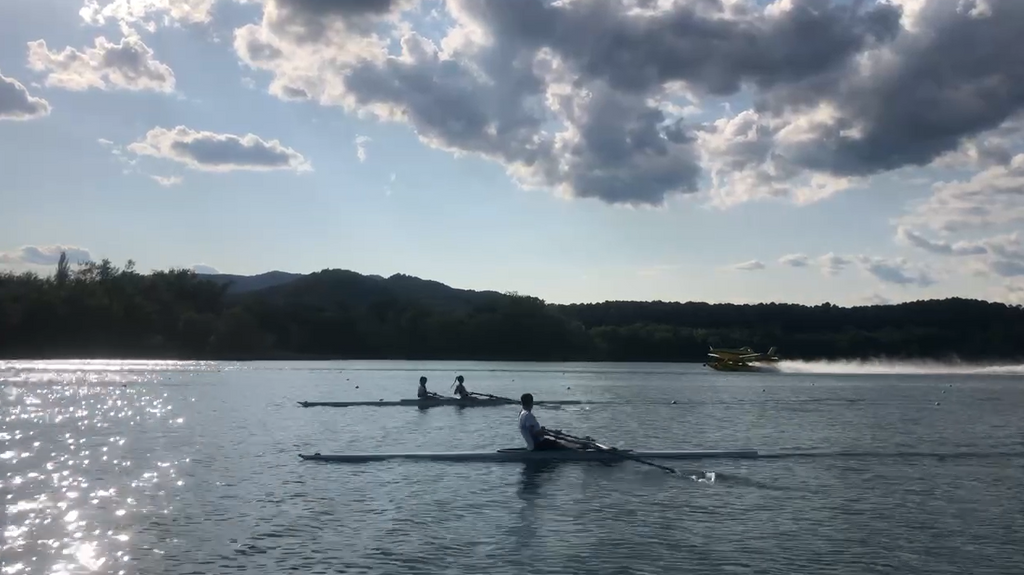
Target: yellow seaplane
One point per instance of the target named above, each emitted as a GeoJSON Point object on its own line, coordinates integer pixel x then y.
{"type": "Point", "coordinates": [742, 359]}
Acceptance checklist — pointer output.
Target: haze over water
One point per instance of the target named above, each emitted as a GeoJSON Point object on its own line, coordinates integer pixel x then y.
{"type": "Point", "coordinates": [192, 467]}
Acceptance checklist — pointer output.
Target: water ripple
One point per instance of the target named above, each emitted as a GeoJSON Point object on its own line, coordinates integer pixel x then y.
{"type": "Point", "coordinates": [190, 467]}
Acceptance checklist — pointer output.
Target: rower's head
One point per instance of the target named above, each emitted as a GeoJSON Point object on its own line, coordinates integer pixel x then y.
{"type": "Point", "coordinates": [460, 379]}
{"type": "Point", "coordinates": [527, 400]}
{"type": "Point", "coordinates": [423, 380]}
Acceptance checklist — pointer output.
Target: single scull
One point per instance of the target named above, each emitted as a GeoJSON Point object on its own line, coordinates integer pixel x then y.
{"type": "Point", "coordinates": [523, 454]}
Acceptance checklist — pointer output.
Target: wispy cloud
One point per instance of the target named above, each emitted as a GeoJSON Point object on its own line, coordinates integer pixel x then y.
{"type": "Point", "coordinates": [167, 181]}
{"type": "Point", "coordinates": [361, 142]}
{"type": "Point", "coordinates": [748, 266]}
{"type": "Point", "coordinates": [795, 260]}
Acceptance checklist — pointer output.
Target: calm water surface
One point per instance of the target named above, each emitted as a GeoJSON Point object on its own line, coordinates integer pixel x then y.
{"type": "Point", "coordinates": [163, 467]}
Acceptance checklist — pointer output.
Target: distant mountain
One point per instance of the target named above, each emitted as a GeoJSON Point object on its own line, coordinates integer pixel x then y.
{"type": "Point", "coordinates": [355, 289]}
{"type": "Point", "coordinates": [243, 284]}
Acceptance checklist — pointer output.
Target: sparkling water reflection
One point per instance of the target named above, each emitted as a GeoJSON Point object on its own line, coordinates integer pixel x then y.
{"type": "Point", "coordinates": [190, 467]}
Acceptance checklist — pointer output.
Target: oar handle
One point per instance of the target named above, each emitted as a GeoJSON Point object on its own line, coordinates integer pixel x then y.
{"type": "Point", "coordinates": [559, 434]}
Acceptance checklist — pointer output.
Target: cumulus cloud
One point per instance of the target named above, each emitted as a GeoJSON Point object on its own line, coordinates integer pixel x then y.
{"type": "Point", "coordinates": [964, 248]}
{"type": "Point", "coordinates": [128, 65]}
{"type": "Point", "coordinates": [832, 264]}
{"type": "Point", "coordinates": [212, 152]}
{"type": "Point", "coordinates": [143, 12]}
{"type": "Point", "coordinates": [589, 98]}
{"type": "Point", "coordinates": [795, 260]}
{"type": "Point", "coordinates": [1004, 253]}
{"type": "Point", "coordinates": [205, 269]}
{"type": "Point", "coordinates": [896, 271]}
{"type": "Point", "coordinates": [17, 104]}
{"type": "Point", "coordinates": [991, 198]}
{"type": "Point", "coordinates": [167, 181]}
{"type": "Point", "coordinates": [749, 266]}
{"type": "Point", "coordinates": [582, 97]}
{"type": "Point", "coordinates": [44, 255]}
{"type": "Point", "coordinates": [360, 143]}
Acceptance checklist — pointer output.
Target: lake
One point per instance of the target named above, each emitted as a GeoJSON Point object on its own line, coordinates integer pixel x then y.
{"type": "Point", "coordinates": [192, 467]}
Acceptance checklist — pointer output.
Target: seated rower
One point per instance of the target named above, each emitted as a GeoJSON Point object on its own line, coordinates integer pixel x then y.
{"type": "Point", "coordinates": [532, 432]}
{"type": "Point", "coordinates": [460, 390]}
{"type": "Point", "coordinates": [422, 392]}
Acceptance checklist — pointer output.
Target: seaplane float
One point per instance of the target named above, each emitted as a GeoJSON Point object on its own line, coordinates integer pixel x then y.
{"type": "Point", "coordinates": [742, 359]}
{"type": "Point", "coordinates": [577, 449]}
{"type": "Point", "coordinates": [475, 399]}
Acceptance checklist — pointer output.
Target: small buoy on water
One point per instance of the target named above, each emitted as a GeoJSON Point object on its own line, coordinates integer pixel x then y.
{"type": "Point", "coordinates": [943, 392]}
{"type": "Point", "coordinates": [568, 387]}
{"type": "Point", "coordinates": [673, 402]}
{"type": "Point", "coordinates": [762, 391]}
{"type": "Point", "coordinates": [357, 387]}
{"type": "Point", "coordinates": [937, 403]}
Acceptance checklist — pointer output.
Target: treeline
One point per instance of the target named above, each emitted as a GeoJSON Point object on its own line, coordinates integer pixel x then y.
{"type": "Point", "coordinates": [101, 310]}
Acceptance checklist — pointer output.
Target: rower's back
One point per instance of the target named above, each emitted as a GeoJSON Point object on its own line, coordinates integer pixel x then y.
{"type": "Point", "coordinates": [528, 425]}
{"type": "Point", "coordinates": [422, 391]}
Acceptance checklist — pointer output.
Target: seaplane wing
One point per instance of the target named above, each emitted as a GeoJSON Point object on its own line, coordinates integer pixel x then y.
{"type": "Point", "coordinates": [743, 354]}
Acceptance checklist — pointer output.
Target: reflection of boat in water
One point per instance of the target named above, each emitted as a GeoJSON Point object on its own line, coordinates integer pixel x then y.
{"type": "Point", "coordinates": [742, 359]}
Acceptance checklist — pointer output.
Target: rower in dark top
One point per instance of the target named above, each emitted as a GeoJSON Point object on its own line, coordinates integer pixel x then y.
{"type": "Point", "coordinates": [460, 390]}
{"type": "Point", "coordinates": [532, 431]}
{"type": "Point", "coordinates": [422, 392]}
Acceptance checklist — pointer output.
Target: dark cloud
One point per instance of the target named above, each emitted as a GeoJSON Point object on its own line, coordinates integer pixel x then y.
{"type": "Point", "coordinates": [575, 95]}
{"type": "Point", "coordinates": [218, 152]}
{"type": "Point", "coordinates": [952, 77]}
{"type": "Point", "coordinates": [17, 104]}
{"type": "Point", "coordinates": [714, 47]}
{"type": "Point", "coordinates": [896, 271]}
{"type": "Point", "coordinates": [311, 20]}
{"type": "Point", "coordinates": [1007, 268]}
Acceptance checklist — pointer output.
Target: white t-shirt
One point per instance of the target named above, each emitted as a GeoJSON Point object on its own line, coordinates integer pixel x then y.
{"type": "Point", "coordinates": [422, 391]}
{"type": "Point", "coordinates": [528, 426]}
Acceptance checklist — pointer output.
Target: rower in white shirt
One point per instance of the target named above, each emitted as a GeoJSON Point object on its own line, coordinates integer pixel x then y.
{"type": "Point", "coordinates": [532, 431]}
{"type": "Point", "coordinates": [422, 392]}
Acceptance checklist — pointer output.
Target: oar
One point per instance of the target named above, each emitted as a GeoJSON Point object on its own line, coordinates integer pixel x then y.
{"type": "Point", "coordinates": [492, 396]}
{"type": "Point", "coordinates": [558, 434]}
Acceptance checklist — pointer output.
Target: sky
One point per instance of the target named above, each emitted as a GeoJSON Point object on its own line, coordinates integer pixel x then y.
{"type": "Point", "coordinates": [848, 151]}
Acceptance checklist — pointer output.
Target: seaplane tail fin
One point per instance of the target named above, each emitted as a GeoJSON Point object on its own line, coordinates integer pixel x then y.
{"type": "Point", "coordinates": [771, 351]}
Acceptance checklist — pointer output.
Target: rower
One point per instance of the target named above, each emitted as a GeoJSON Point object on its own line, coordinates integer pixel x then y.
{"type": "Point", "coordinates": [460, 390]}
{"type": "Point", "coordinates": [531, 430]}
{"type": "Point", "coordinates": [422, 392]}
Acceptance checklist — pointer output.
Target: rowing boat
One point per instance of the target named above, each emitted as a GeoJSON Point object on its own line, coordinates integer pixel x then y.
{"type": "Point", "coordinates": [436, 402]}
{"type": "Point", "coordinates": [522, 454]}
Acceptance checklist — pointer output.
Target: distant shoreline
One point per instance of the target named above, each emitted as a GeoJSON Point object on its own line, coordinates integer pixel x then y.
{"type": "Point", "coordinates": [97, 310]}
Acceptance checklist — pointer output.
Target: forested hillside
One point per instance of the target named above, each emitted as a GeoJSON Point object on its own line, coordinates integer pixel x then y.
{"type": "Point", "coordinates": [101, 310]}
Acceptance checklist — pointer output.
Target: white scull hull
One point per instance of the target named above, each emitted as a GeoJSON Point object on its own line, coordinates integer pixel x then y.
{"type": "Point", "coordinates": [522, 454]}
